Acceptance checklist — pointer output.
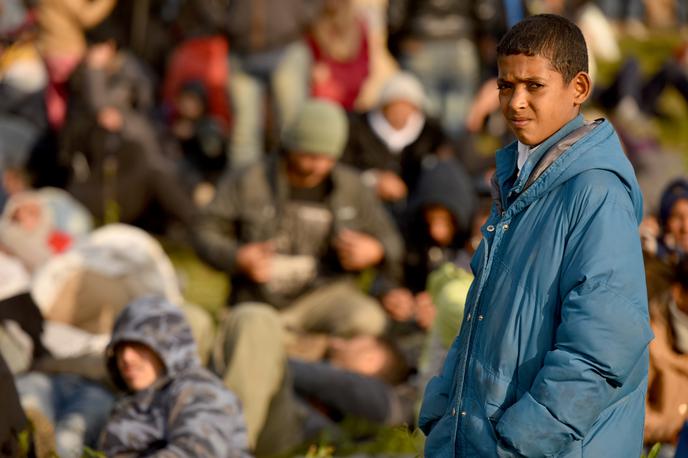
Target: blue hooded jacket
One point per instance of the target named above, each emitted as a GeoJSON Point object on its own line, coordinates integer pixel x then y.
{"type": "Point", "coordinates": [552, 355]}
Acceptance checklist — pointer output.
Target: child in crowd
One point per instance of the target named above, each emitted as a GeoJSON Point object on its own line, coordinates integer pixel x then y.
{"type": "Point", "coordinates": [436, 227]}
{"type": "Point", "coordinates": [390, 143]}
{"type": "Point", "coordinates": [667, 238]}
{"type": "Point", "coordinates": [174, 406]}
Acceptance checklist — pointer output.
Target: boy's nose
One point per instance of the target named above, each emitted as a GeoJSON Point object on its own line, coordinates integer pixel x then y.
{"type": "Point", "coordinates": [519, 99]}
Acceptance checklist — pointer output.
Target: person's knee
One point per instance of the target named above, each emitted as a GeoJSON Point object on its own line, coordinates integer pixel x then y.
{"type": "Point", "coordinates": [202, 328]}
{"type": "Point", "coordinates": [34, 388]}
{"type": "Point", "coordinates": [252, 314]}
{"type": "Point", "coordinates": [367, 319]}
{"type": "Point", "coordinates": [246, 324]}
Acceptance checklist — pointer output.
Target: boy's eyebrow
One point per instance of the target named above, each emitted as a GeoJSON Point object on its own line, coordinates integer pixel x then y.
{"type": "Point", "coordinates": [528, 79]}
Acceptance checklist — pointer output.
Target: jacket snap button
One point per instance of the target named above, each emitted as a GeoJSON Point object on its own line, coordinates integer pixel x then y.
{"type": "Point", "coordinates": [505, 227]}
{"type": "Point", "coordinates": [463, 414]}
{"type": "Point", "coordinates": [490, 228]}
{"type": "Point", "coordinates": [453, 412]}
{"type": "Point", "coordinates": [480, 317]}
{"type": "Point", "coordinates": [468, 317]}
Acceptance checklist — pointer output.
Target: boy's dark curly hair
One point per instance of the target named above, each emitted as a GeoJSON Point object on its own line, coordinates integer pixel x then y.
{"type": "Point", "coordinates": [550, 36]}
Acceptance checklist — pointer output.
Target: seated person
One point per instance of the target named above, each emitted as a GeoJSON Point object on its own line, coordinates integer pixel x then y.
{"type": "Point", "coordinates": [202, 139]}
{"type": "Point", "coordinates": [338, 40]}
{"type": "Point", "coordinates": [436, 228]}
{"type": "Point", "coordinates": [663, 236]}
{"type": "Point", "coordinates": [390, 142]}
{"type": "Point", "coordinates": [293, 230]}
{"type": "Point", "coordinates": [173, 405]}
{"type": "Point", "coordinates": [111, 146]}
{"type": "Point", "coordinates": [667, 394]}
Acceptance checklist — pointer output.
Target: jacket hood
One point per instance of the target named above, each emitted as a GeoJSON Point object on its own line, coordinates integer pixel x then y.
{"type": "Point", "coordinates": [575, 148]}
{"type": "Point", "coordinates": [162, 327]}
{"type": "Point", "coordinates": [445, 183]}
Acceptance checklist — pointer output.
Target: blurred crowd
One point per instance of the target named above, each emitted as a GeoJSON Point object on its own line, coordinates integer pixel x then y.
{"type": "Point", "coordinates": [332, 158]}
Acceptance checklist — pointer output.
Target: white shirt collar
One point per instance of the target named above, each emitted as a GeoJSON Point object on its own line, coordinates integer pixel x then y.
{"type": "Point", "coordinates": [523, 154]}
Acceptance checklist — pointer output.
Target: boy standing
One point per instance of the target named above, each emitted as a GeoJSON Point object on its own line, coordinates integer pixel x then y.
{"type": "Point", "coordinates": [552, 355]}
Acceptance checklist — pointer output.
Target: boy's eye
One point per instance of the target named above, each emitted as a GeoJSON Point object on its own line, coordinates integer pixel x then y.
{"type": "Point", "coordinates": [503, 86]}
{"type": "Point", "coordinates": [534, 85]}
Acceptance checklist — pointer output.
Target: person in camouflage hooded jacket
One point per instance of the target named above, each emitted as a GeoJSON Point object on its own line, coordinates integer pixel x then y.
{"type": "Point", "coordinates": [185, 411]}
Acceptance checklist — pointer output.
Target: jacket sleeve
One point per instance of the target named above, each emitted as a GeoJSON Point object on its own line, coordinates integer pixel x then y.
{"type": "Point", "coordinates": [89, 13]}
{"type": "Point", "coordinates": [603, 331]}
{"type": "Point", "coordinates": [205, 422]}
{"type": "Point", "coordinates": [214, 235]}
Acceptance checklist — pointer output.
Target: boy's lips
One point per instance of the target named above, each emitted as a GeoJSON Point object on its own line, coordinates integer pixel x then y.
{"type": "Point", "coordinates": [519, 122]}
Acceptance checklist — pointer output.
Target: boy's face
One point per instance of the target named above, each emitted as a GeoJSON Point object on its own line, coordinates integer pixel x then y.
{"type": "Point", "coordinates": [138, 365]}
{"type": "Point", "coordinates": [534, 98]}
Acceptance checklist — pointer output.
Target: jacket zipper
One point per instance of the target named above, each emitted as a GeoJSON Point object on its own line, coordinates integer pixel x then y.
{"type": "Point", "coordinates": [463, 367]}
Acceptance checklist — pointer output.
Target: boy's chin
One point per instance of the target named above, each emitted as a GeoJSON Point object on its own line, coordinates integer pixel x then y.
{"type": "Point", "coordinates": [527, 138]}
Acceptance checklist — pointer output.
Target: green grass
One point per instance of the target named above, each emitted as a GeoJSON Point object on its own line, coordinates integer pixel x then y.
{"type": "Point", "coordinates": [201, 285]}
{"type": "Point", "coordinates": [359, 437]}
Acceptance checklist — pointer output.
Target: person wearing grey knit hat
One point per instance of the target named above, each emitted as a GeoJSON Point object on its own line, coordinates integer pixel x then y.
{"type": "Point", "coordinates": [313, 142]}
{"type": "Point", "coordinates": [320, 127]}
{"type": "Point", "coordinates": [292, 232]}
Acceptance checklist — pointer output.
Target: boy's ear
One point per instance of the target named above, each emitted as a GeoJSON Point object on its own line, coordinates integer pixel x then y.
{"type": "Point", "coordinates": [582, 85]}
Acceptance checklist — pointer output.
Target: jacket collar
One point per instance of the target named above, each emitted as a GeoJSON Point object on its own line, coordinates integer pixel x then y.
{"type": "Point", "coordinates": [540, 159]}
{"type": "Point", "coordinates": [539, 152]}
